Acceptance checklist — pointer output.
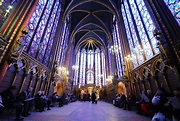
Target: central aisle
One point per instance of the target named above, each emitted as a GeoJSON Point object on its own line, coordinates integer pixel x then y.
{"type": "Point", "coordinates": [86, 111]}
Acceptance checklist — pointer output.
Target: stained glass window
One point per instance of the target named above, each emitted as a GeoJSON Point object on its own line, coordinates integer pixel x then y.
{"type": "Point", "coordinates": [103, 74]}
{"type": "Point", "coordinates": [90, 73]}
{"type": "Point", "coordinates": [33, 22]}
{"type": "Point", "coordinates": [50, 33]}
{"type": "Point", "coordinates": [110, 61]}
{"type": "Point", "coordinates": [42, 27]}
{"type": "Point", "coordinates": [61, 45]}
{"type": "Point", "coordinates": [64, 46]}
{"type": "Point", "coordinates": [92, 67]}
{"type": "Point", "coordinates": [118, 54]}
{"type": "Point", "coordinates": [37, 43]}
{"type": "Point", "coordinates": [174, 6]}
{"type": "Point", "coordinates": [139, 29]}
{"type": "Point", "coordinates": [46, 38]}
{"type": "Point", "coordinates": [82, 67]}
{"type": "Point", "coordinates": [97, 68]}
{"type": "Point", "coordinates": [76, 73]}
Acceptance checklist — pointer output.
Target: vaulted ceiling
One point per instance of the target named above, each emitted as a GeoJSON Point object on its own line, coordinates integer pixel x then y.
{"type": "Point", "coordinates": [91, 21]}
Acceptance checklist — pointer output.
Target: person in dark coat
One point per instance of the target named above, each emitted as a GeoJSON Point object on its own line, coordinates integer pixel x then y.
{"type": "Point", "coordinates": [175, 101]}
{"type": "Point", "coordinates": [27, 98]}
{"type": "Point", "coordinates": [8, 97]}
{"type": "Point", "coordinates": [9, 101]}
{"type": "Point", "coordinates": [93, 97]}
{"type": "Point", "coordinates": [122, 100]}
{"type": "Point", "coordinates": [131, 100]}
{"type": "Point", "coordinates": [39, 103]}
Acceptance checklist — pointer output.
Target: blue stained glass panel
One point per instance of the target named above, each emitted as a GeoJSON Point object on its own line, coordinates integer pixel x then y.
{"type": "Point", "coordinates": [47, 34]}
{"type": "Point", "coordinates": [144, 40]}
{"type": "Point", "coordinates": [140, 42]}
{"type": "Point", "coordinates": [131, 34]}
{"type": "Point", "coordinates": [47, 54]}
{"type": "Point", "coordinates": [149, 26]}
{"type": "Point", "coordinates": [37, 24]}
{"type": "Point", "coordinates": [41, 28]}
{"type": "Point", "coordinates": [34, 20]}
{"type": "Point", "coordinates": [174, 6]}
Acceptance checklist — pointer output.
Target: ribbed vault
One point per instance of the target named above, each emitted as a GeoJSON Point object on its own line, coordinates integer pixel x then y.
{"type": "Point", "coordinates": [90, 20]}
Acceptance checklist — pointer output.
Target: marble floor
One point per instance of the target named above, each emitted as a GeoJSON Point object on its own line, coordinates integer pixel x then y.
{"type": "Point", "coordinates": [83, 111]}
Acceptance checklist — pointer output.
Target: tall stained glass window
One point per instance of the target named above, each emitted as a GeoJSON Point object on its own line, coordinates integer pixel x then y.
{"type": "Point", "coordinates": [139, 29]}
{"type": "Point", "coordinates": [90, 64]}
{"type": "Point", "coordinates": [97, 67]}
{"type": "Point", "coordinates": [174, 6]}
{"type": "Point", "coordinates": [110, 60]}
{"type": "Point", "coordinates": [92, 67]}
{"type": "Point", "coordinates": [118, 54]}
{"type": "Point", "coordinates": [82, 68]}
{"type": "Point", "coordinates": [42, 27]}
{"type": "Point", "coordinates": [61, 45]}
{"type": "Point", "coordinates": [103, 73]}
{"type": "Point", "coordinates": [76, 73]}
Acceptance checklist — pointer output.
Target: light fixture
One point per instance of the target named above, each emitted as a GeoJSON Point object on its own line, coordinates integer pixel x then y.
{"type": "Point", "coordinates": [8, 10]}
{"type": "Point", "coordinates": [63, 73]}
{"type": "Point", "coordinates": [128, 58]}
{"type": "Point", "coordinates": [114, 49]}
{"type": "Point", "coordinates": [63, 70]}
{"type": "Point", "coordinates": [75, 67]}
{"type": "Point", "coordinates": [109, 79]}
{"type": "Point", "coordinates": [10, 7]}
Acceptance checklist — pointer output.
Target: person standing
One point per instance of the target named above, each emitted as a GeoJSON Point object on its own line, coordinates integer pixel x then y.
{"type": "Point", "coordinates": [96, 99]}
{"type": "Point", "coordinates": [175, 101]}
{"type": "Point", "coordinates": [8, 97]}
{"type": "Point", "coordinates": [93, 97]}
{"type": "Point", "coordinates": [26, 100]}
{"type": "Point", "coordinates": [9, 101]}
{"type": "Point", "coordinates": [162, 107]}
{"type": "Point", "coordinates": [122, 101]}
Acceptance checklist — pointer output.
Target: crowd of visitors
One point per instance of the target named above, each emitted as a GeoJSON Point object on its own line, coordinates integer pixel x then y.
{"type": "Point", "coordinates": [120, 101]}
{"type": "Point", "coordinates": [161, 106]}
{"type": "Point", "coordinates": [85, 96]}
{"type": "Point", "coordinates": [25, 101]}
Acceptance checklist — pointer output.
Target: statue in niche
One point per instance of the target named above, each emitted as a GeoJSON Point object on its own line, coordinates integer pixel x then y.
{"type": "Point", "coordinates": [162, 45]}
